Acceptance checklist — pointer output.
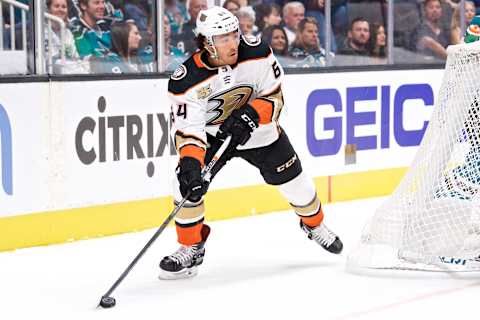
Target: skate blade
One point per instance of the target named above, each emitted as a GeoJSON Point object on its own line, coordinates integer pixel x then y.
{"type": "Point", "coordinates": [182, 274]}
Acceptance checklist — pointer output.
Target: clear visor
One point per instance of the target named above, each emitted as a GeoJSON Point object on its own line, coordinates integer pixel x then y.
{"type": "Point", "coordinates": [223, 40]}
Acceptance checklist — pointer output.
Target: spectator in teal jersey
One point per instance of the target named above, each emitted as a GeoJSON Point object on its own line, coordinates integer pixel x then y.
{"type": "Point", "coordinates": [113, 10]}
{"type": "Point", "coordinates": [91, 31]}
{"type": "Point", "coordinates": [173, 55]}
{"type": "Point", "coordinates": [177, 15]}
{"type": "Point", "coordinates": [122, 58]}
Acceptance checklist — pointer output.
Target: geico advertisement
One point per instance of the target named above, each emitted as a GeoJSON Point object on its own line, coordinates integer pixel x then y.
{"type": "Point", "coordinates": [23, 152]}
{"type": "Point", "coordinates": [343, 122]}
{"type": "Point", "coordinates": [118, 146]}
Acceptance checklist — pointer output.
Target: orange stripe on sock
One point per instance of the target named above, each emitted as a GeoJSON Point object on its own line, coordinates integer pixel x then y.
{"type": "Point", "coordinates": [194, 152]}
{"type": "Point", "coordinates": [264, 109]}
{"type": "Point", "coordinates": [313, 221]}
{"type": "Point", "coordinates": [189, 235]}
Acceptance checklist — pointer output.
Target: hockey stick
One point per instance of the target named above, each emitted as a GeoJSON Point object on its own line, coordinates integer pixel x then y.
{"type": "Point", "coordinates": [107, 301]}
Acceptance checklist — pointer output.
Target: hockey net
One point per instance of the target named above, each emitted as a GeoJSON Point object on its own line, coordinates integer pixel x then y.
{"type": "Point", "coordinates": [432, 220]}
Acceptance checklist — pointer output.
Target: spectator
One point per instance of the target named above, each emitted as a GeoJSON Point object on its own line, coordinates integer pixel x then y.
{"type": "Point", "coordinates": [232, 6]}
{"type": "Point", "coordinates": [71, 63]}
{"type": "Point", "coordinates": [306, 48]}
{"type": "Point", "coordinates": [267, 15]}
{"type": "Point", "coordinates": [91, 32]}
{"type": "Point", "coordinates": [276, 37]}
{"type": "Point", "coordinates": [173, 56]}
{"type": "Point", "coordinates": [59, 9]}
{"type": "Point", "coordinates": [114, 10]}
{"type": "Point", "coordinates": [177, 15]}
{"type": "Point", "coordinates": [123, 56]}
{"type": "Point", "coordinates": [246, 19]}
{"type": "Point", "coordinates": [112, 13]}
{"type": "Point", "coordinates": [378, 41]}
{"type": "Point", "coordinates": [456, 30]}
{"type": "Point", "coordinates": [358, 38]}
{"type": "Point", "coordinates": [186, 40]}
{"type": "Point", "coordinates": [339, 22]}
{"type": "Point", "coordinates": [138, 11]}
{"type": "Point", "coordinates": [293, 13]}
{"type": "Point", "coordinates": [431, 37]}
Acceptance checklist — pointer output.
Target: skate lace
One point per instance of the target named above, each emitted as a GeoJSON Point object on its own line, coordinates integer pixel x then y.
{"type": "Point", "coordinates": [184, 254]}
{"type": "Point", "coordinates": [323, 235]}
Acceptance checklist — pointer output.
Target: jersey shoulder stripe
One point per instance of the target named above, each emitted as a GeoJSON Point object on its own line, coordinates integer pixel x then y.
{"type": "Point", "coordinates": [251, 49]}
{"type": "Point", "coordinates": [188, 75]}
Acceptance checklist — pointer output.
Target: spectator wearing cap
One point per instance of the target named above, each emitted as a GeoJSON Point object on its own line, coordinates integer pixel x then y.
{"type": "Point", "coordinates": [358, 38]}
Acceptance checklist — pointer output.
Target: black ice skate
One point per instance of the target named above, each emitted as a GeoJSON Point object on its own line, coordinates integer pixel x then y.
{"type": "Point", "coordinates": [183, 263]}
{"type": "Point", "coordinates": [324, 237]}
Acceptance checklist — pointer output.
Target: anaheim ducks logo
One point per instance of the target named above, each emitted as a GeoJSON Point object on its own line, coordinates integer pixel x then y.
{"type": "Point", "coordinates": [474, 30]}
{"type": "Point", "coordinates": [221, 105]}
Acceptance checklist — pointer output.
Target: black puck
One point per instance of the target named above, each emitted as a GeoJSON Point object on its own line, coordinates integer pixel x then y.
{"type": "Point", "coordinates": [107, 302]}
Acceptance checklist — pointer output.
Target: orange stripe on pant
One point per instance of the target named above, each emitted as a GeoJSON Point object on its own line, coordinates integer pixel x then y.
{"type": "Point", "coordinates": [313, 220]}
{"type": "Point", "coordinates": [189, 235]}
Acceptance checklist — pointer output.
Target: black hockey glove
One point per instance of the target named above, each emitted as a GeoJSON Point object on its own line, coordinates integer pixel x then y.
{"type": "Point", "coordinates": [240, 125]}
{"type": "Point", "coordinates": [189, 176]}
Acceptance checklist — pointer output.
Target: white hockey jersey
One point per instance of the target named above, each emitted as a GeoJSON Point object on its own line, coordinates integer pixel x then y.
{"type": "Point", "coordinates": [203, 96]}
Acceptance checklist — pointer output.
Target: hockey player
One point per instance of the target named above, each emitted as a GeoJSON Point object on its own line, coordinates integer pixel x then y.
{"type": "Point", "coordinates": [232, 86]}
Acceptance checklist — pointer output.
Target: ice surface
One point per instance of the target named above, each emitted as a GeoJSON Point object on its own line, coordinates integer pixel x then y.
{"type": "Point", "coordinates": [259, 267]}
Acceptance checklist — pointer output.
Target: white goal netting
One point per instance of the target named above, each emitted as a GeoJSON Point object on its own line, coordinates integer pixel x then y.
{"type": "Point", "coordinates": [432, 220]}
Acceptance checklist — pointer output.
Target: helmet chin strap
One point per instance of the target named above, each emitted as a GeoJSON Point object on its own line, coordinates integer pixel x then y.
{"type": "Point", "coordinates": [213, 53]}
{"type": "Point", "coordinates": [211, 49]}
